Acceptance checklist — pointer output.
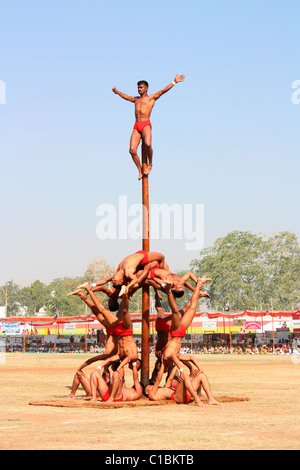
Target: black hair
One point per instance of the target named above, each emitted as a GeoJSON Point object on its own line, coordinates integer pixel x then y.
{"type": "Point", "coordinates": [143, 82]}
{"type": "Point", "coordinates": [114, 307]}
{"type": "Point", "coordinates": [117, 286]}
{"type": "Point", "coordinates": [115, 365]}
{"type": "Point", "coordinates": [177, 293]}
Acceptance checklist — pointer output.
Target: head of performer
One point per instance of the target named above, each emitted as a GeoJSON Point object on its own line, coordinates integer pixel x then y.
{"type": "Point", "coordinates": [177, 289]}
{"type": "Point", "coordinates": [142, 87]}
{"type": "Point", "coordinates": [118, 279]}
{"type": "Point", "coordinates": [138, 364]}
{"type": "Point", "coordinates": [113, 306]}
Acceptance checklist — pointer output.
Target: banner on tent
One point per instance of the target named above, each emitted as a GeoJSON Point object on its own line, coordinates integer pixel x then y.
{"type": "Point", "coordinates": [294, 325]}
{"type": "Point", "coordinates": [210, 325]}
{"type": "Point", "coordinates": [252, 325]}
{"type": "Point", "coordinates": [10, 328]}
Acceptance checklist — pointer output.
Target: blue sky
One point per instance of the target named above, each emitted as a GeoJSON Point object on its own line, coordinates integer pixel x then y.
{"type": "Point", "coordinates": [227, 138]}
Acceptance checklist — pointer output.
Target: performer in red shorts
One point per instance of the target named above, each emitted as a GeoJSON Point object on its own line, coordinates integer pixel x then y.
{"type": "Point", "coordinates": [142, 128]}
{"type": "Point", "coordinates": [180, 388]}
{"type": "Point", "coordinates": [180, 394]}
{"type": "Point", "coordinates": [179, 325]}
{"type": "Point", "coordinates": [117, 390]}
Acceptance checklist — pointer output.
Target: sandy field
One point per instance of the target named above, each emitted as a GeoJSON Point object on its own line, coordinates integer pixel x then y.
{"type": "Point", "coordinates": [268, 421]}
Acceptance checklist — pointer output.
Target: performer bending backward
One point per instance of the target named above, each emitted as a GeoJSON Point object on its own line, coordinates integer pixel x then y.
{"type": "Point", "coordinates": [126, 273]}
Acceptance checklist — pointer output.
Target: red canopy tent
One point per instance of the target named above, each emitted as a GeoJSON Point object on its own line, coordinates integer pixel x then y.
{"type": "Point", "coordinates": [137, 317]}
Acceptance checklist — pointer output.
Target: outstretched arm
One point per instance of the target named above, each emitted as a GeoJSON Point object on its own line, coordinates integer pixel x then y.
{"type": "Point", "coordinates": [137, 279]}
{"type": "Point", "coordinates": [177, 79]}
{"type": "Point", "coordinates": [186, 358]}
{"type": "Point", "coordinates": [122, 95]}
{"type": "Point", "coordinates": [100, 357]}
{"type": "Point", "coordinates": [109, 361]}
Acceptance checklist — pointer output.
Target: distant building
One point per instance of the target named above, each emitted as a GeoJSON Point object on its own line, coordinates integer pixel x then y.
{"type": "Point", "coordinates": [42, 312]}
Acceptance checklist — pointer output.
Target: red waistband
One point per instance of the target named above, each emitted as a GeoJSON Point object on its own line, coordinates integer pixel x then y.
{"type": "Point", "coordinates": [121, 331]}
{"type": "Point", "coordinates": [179, 333]}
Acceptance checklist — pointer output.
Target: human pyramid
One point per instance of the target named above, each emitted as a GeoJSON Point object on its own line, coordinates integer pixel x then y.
{"type": "Point", "coordinates": [135, 271]}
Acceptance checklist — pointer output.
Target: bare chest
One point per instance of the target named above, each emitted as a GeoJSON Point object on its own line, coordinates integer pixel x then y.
{"type": "Point", "coordinates": [144, 105]}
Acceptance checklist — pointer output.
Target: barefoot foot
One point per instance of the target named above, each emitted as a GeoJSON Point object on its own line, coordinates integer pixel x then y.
{"type": "Point", "coordinates": [147, 170]}
{"type": "Point", "coordinates": [212, 401]}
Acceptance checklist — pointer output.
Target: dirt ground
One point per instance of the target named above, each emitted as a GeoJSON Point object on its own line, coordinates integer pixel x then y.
{"type": "Point", "coordinates": [269, 420]}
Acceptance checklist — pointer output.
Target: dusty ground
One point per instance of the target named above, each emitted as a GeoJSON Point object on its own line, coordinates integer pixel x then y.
{"type": "Point", "coordinates": [270, 420]}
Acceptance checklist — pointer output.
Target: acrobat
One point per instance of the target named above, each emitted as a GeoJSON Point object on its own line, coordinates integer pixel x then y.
{"type": "Point", "coordinates": [127, 349]}
{"type": "Point", "coordinates": [117, 390]}
{"type": "Point", "coordinates": [80, 378]}
{"type": "Point", "coordinates": [179, 326]}
{"type": "Point", "coordinates": [139, 261]}
{"type": "Point", "coordinates": [109, 322]}
{"type": "Point", "coordinates": [181, 388]}
{"type": "Point", "coordinates": [142, 128]}
{"type": "Point", "coordinates": [126, 274]}
{"type": "Point", "coordinates": [181, 394]}
{"type": "Point", "coordinates": [159, 278]}
{"type": "Point", "coordinates": [163, 324]}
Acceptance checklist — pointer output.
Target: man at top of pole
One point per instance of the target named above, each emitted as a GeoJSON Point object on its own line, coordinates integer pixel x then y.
{"type": "Point", "coordinates": [142, 127]}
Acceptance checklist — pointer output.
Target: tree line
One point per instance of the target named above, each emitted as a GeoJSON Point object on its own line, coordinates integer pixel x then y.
{"type": "Point", "coordinates": [249, 272]}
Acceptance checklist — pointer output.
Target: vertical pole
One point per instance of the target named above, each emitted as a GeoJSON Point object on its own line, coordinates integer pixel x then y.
{"type": "Point", "coordinates": [273, 326]}
{"type": "Point", "coordinates": [145, 291]}
{"type": "Point", "coordinates": [230, 337]}
{"type": "Point", "coordinates": [55, 337]}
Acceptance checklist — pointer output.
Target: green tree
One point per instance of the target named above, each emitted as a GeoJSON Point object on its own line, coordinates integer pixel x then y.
{"type": "Point", "coordinates": [35, 296]}
{"type": "Point", "coordinates": [58, 301]}
{"type": "Point", "coordinates": [249, 270]}
{"type": "Point", "coordinates": [283, 253]}
{"type": "Point", "coordinates": [10, 296]}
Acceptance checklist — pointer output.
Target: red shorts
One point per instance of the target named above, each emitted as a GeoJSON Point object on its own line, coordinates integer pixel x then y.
{"type": "Point", "coordinates": [146, 257]}
{"type": "Point", "coordinates": [139, 126]}
{"type": "Point", "coordinates": [179, 333]}
{"type": "Point", "coordinates": [152, 273]}
{"type": "Point", "coordinates": [162, 325]}
{"type": "Point", "coordinates": [111, 331]}
{"type": "Point", "coordinates": [121, 331]}
{"type": "Point", "coordinates": [119, 399]}
{"type": "Point", "coordinates": [106, 395]}
{"type": "Point", "coordinates": [187, 398]}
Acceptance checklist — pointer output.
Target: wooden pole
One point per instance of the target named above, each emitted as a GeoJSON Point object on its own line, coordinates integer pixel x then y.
{"type": "Point", "coordinates": [230, 333]}
{"type": "Point", "coordinates": [55, 337]}
{"type": "Point", "coordinates": [145, 291]}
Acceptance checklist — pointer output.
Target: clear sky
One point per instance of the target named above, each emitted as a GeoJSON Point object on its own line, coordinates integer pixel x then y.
{"type": "Point", "coordinates": [227, 138]}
